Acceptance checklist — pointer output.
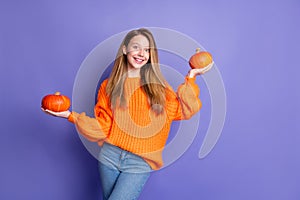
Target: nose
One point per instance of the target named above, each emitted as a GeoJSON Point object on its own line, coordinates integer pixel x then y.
{"type": "Point", "coordinates": [141, 52]}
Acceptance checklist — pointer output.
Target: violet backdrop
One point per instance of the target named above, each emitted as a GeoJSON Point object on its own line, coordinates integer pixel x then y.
{"type": "Point", "coordinates": [255, 45]}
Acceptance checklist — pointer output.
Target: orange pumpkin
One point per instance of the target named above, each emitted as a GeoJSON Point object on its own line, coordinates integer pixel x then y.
{"type": "Point", "coordinates": [200, 59]}
{"type": "Point", "coordinates": [56, 102]}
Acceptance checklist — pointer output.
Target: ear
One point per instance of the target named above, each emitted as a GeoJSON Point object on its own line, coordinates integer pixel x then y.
{"type": "Point", "coordinates": [124, 50]}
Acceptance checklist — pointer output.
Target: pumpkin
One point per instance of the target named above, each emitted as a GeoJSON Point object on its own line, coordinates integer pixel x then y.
{"type": "Point", "coordinates": [200, 59]}
{"type": "Point", "coordinates": [56, 102]}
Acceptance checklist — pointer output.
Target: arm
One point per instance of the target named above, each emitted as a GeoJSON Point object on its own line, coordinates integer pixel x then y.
{"type": "Point", "coordinates": [87, 126]}
{"type": "Point", "coordinates": [94, 129]}
{"type": "Point", "coordinates": [186, 102]}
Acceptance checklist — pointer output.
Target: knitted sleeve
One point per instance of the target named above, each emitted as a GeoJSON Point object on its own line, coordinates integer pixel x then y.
{"type": "Point", "coordinates": [186, 102]}
{"type": "Point", "coordinates": [95, 129]}
{"type": "Point", "coordinates": [87, 126]}
{"type": "Point", "coordinates": [102, 110]}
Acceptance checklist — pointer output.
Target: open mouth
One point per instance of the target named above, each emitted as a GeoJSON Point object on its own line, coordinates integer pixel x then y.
{"type": "Point", "coordinates": [138, 60]}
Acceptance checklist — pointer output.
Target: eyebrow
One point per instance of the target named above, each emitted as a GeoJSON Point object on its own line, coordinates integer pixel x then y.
{"type": "Point", "coordinates": [140, 45]}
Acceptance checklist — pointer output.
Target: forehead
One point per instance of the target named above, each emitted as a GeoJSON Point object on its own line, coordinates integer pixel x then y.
{"type": "Point", "coordinates": [139, 39]}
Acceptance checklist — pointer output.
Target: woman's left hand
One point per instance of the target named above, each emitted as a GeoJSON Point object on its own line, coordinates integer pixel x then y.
{"type": "Point", "coordinates": [63, 114]}
{"type": "Point", "coordinates": [195, 72]}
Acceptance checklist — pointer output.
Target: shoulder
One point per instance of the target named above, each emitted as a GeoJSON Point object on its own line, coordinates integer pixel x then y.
{"type": "Point", "coordinates": [102, 88]}
{"type": "Point", "coordinates": [104, 82]}
{"type": "Point", "coordinates": [103, 85]}
{"type": "Point", "coordinates": [170, 93]}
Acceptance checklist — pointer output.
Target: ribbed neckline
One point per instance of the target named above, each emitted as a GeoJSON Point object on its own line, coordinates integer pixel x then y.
{"type": "Point", "coordinates": [133, 78]}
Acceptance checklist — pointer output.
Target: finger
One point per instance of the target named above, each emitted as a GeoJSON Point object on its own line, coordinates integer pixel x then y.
{"type": "Point", "coordinates": [207, 68]}
{"type": "Point", "coordinates": [45, 111]}
{"type": "Point", "coordinates": [197, 72]}
{"type": "Point", "coordinates": [51, 112]}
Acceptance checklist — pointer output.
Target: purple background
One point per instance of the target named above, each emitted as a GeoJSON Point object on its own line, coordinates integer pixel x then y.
{"type": "Point", "coordinates": [255, 45]}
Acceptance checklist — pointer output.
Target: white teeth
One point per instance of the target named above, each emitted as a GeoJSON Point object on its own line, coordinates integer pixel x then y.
{"type": "Point", "coordinates": [139, 60]}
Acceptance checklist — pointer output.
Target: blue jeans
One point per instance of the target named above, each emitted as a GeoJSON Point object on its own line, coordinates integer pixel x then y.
{"type": "Point", "coordinates": [123, 174]}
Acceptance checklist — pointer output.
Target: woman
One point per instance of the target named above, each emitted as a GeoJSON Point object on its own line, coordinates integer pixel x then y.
{"type": "Point", "coordinates": [133, 114]}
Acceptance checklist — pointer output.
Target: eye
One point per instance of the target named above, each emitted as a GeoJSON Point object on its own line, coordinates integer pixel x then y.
{"type": "Point", "coordinates": [135, 47]}
{"type": "Point", "coordinates": [147, 50]}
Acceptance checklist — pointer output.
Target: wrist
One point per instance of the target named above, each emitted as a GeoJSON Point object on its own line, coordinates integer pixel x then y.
{"type": "Point", "coordinates": [67, 115]}
{"type": "Point", "coordinates": [191, 74]}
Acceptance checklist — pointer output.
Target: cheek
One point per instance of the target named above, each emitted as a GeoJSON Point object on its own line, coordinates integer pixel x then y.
{"type": "Point", "coordinates": [129, 55]}
{"type": "Point", "coordinates": [147, 57]}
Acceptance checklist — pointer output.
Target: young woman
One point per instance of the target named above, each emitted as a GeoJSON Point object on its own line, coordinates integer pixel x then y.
{"type": "Point", "coordinates": [133, 114]}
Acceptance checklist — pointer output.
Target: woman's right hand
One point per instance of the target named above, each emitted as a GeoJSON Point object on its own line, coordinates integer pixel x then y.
{"type": "Point", "coordinates": [199, 71]}
{"type": "Point", "coordinates": [63, 114]}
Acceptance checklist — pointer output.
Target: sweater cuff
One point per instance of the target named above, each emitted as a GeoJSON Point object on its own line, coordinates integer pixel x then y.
{"type": "Point", "coordinates": [190, 79]}
{"type": "Point", "coordinates": [72, 117]}
{"type": "Point", "coordinates": [192, 82]}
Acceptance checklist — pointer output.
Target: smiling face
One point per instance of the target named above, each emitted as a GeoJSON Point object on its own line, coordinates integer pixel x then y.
{"type": "Point", "coordinates": [137, 53]}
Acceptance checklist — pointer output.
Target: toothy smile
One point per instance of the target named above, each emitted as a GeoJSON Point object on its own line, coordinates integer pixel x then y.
{"type": "Point", "coordinates": [139, 60]}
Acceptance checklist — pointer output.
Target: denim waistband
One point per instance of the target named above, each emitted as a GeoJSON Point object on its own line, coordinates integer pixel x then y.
{"type": "Point", "coordinates": [122, 160]}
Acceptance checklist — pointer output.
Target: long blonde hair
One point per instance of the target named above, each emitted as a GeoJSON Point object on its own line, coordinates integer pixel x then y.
{"type": "Point", "coordinates": [152, 81]}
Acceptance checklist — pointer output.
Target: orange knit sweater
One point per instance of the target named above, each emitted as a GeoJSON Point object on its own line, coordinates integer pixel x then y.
{"type": "Point", "coordinates": [136, 128]}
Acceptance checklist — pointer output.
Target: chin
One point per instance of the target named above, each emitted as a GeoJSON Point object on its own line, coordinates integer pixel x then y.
{"type": "Point", "coordinates": [138, 66]}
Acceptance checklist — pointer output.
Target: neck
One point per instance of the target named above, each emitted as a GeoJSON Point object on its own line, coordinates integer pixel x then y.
{"type": "Point", "coordinates": [133, 73]}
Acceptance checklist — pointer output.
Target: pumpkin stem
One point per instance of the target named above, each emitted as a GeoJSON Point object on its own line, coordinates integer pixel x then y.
{"type": "Point", "coordinates": [57, 93]}
{"type": "Point", "coordinates": [198, 50]}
